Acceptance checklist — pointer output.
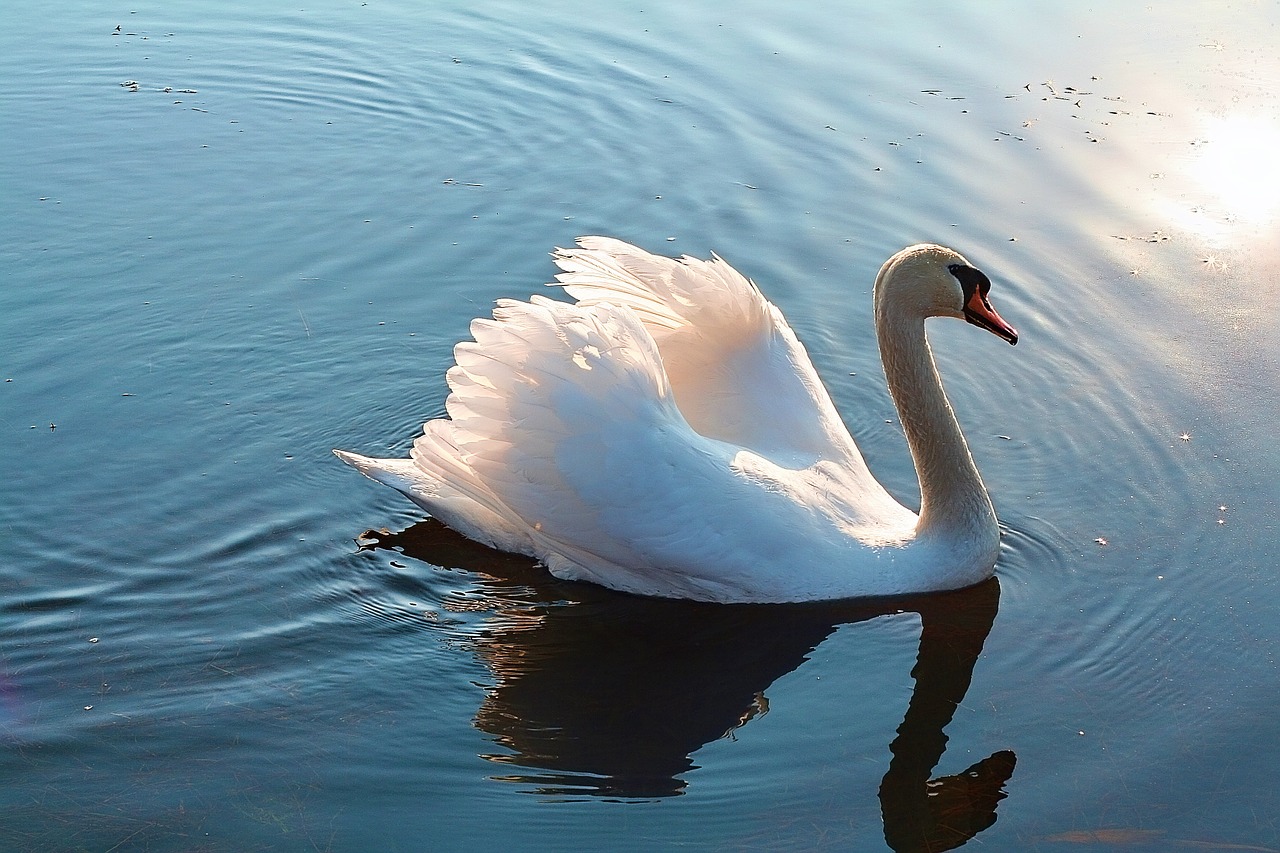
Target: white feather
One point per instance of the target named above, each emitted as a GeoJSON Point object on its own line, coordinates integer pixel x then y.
{"type": "Point", "coordinates": [666, 435]}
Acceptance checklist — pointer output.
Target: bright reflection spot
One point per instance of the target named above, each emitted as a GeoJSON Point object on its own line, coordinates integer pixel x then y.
{"type": "Point", "coordinates": [1238, 162]}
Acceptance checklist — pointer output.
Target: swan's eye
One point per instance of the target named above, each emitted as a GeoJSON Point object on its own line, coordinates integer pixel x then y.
{"type": "Point", "coordinates": [970, 280]}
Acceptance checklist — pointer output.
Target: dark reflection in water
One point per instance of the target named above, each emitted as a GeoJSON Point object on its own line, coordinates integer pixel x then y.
{"type": "Point", "coordinates": [939, 814]}
{"type": "Point", "coordinates": [602, 694]}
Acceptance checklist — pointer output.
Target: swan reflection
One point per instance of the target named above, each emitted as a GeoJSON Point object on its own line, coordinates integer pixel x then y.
{"type": "Point", "coordinates": [598, 693]}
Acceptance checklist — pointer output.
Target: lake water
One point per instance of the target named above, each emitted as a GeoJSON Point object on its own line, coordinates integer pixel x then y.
{"type": "Point", "coordinates": [235, 239]}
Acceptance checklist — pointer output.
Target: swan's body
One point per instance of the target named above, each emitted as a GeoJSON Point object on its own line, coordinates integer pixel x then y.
{"type": "Point", "coordinates": [667, 435]}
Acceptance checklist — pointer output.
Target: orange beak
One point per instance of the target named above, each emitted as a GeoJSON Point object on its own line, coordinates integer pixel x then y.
{"type": "Point", "coordinates": [979, 312]}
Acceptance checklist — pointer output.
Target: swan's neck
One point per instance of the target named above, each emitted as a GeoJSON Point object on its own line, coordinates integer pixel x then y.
{"type": "Point", "coordinates": [953, 499]}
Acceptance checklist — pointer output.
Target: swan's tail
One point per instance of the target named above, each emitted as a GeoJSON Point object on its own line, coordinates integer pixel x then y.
{"type": "Point", "coordinates": [484, 522]}
{"type": "Point", "coordinates": [395, 473]}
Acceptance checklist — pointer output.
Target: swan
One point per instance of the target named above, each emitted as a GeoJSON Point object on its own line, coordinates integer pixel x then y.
{"type": "Point", "coordinates": [667, 435]}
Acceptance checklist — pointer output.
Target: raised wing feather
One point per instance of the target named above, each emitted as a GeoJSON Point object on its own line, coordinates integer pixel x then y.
{"type": "Point", "coordinates": [736, 369]}
{"type": "Point", "coordinates": [562, 421]}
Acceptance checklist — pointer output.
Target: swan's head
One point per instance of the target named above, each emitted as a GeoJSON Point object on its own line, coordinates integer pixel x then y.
{"type": "Point", "coordinates": [934, 281]}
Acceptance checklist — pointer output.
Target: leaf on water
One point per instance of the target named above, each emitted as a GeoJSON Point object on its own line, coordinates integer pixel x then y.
{"type": "Point", "coordinates": [1146, 836]}
{"type": "Point", "coordinates": [1106, 836]}
{"type": "Point", "coordinates": [1223, 845]}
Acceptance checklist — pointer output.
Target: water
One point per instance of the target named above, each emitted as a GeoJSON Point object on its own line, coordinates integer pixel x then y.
{"type": "Point", "coordinates": [205, 291]}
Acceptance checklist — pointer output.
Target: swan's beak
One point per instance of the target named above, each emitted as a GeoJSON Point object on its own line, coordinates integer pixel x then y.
{"type": "Point", "coordinates": [980, 313]}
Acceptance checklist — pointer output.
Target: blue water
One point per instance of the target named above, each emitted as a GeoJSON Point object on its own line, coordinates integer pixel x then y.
{"type": "Point", "coordinates": [268, 247]}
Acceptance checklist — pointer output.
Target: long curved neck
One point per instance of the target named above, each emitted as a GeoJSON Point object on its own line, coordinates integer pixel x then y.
{"type": "Point", "coordinates": [953, 499]}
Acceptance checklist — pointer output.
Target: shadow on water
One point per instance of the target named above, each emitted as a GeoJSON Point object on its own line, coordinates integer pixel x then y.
{"type": "Point", "coordinates": [602, 694]}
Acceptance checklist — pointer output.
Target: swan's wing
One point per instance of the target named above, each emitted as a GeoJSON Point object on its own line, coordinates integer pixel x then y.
{"type": "Point", "coordinates": [736, 368]}
{"type": "Point", "coordinates": [562, 423]}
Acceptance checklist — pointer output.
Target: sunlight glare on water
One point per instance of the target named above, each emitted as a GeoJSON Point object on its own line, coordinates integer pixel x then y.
{"type": "Point", "coordinates": [1237, 161]}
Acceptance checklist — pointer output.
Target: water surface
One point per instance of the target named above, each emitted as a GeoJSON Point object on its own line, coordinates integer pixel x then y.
{"type": "Point", "coordinates": [267, 247]}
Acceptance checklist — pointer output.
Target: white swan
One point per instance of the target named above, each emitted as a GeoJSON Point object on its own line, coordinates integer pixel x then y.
{"type": "Point", "coordinates": [667, 435]}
